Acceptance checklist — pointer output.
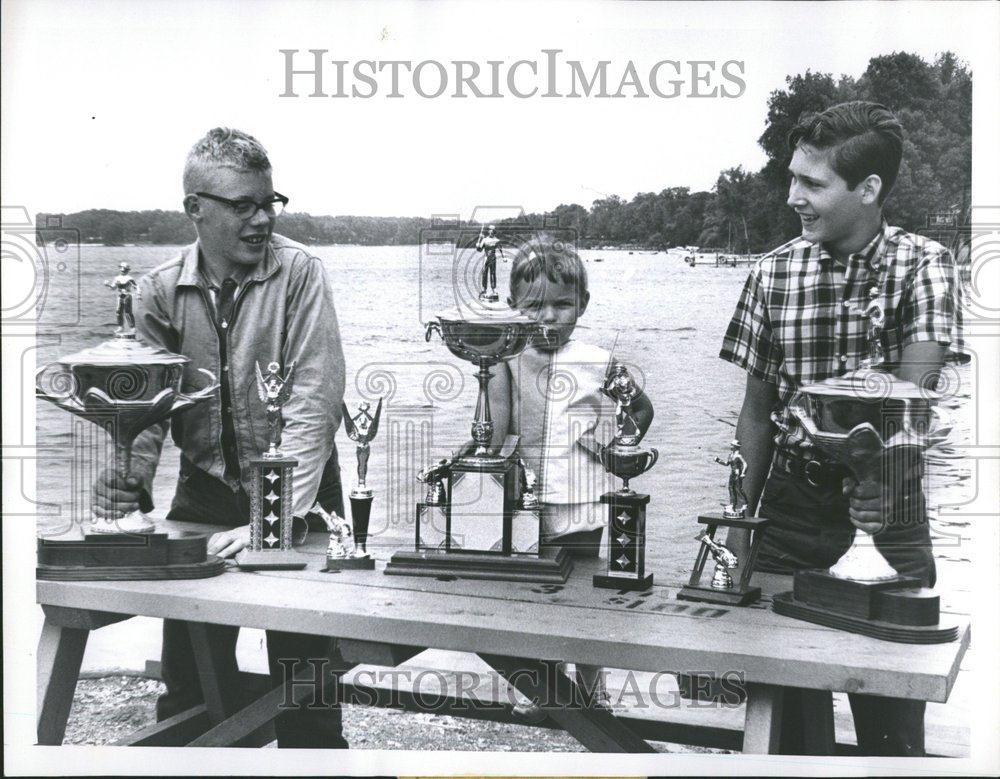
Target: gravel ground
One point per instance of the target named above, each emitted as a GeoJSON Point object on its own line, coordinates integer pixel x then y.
{"type": "Point", "coordinates": [109, 708]}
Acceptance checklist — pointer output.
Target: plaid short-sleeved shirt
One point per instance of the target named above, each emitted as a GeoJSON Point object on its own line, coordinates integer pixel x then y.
{"type": "Point", "coordinates": [801, 318]}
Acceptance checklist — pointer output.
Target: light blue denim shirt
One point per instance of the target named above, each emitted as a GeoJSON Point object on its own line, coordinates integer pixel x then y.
{"type": "Point", "coordinates": [283, 312]}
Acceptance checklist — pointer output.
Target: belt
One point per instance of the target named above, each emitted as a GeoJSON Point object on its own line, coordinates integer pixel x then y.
{"type": "Point", "coordinates": [817, 472]}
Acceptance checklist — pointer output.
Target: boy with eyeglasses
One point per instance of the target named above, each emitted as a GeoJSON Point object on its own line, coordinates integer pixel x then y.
{"type": "Point", "coordinates": [240, 294]}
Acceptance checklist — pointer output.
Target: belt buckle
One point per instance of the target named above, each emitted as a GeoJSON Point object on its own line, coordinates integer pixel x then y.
{"type": "Point", "coordinates": [813, 470]}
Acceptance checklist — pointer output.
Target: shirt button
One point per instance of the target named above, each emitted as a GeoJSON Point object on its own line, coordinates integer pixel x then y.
{"type": "Point", "coordinates": [225, 325]}
{"type": "Point", "coordinates": [225, 369]}
{"type": "Point", "coordinates": [847, 304]}
{"type": "Point", "coordinates": [843, 358]}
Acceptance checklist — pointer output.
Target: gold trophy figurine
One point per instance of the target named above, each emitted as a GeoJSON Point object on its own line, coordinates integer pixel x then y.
{"type": "Point", "coordinates": [362, 429]}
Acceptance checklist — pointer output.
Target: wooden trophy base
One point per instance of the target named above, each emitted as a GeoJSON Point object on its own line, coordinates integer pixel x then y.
{"type": "Point", "coordinates": [270, 560]}
{"type": "Point", "coordinates": [363, 563]}
{"type": "Point", "coordinates": [896, 609]}
{"type": "Point", "coordinates": [621, 583]}
{"type": "Point", "coordinates": [549, 567]}
{"type": "Point", "coordinates": [734, 596]}
{"type": "Point", "coordinates": [120, 557]}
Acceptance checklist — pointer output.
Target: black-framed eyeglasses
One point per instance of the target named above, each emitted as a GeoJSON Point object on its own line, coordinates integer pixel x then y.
{"type": "Point", "coordinates": [246, 209]}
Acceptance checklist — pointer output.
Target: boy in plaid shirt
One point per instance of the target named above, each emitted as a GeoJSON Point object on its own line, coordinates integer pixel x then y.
{"type": "Point", "coordinates": [800, 320]}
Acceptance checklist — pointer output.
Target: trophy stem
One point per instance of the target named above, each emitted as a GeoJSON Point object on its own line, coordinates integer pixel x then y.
{"type": "Point", "coordinates": [482, 427]}
{"type": "Point", "coordinates": [361, 510]}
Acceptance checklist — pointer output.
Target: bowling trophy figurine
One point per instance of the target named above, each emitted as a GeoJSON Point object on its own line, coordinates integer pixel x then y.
{"type": "Point", "coordinates": [361, 429]}
{"type": "Point", "coordinates": [271, 490]}
{"type": "Point", "coordinates": [723, 587]}
{"type": "Point", "coordinates": [473, 522]}
{"type": "Point", "coordinates": [125, 387]}
{"type": "Point", "coordinates": [626, 537]}
{"type": "Point", "coordinates": [877, 427]}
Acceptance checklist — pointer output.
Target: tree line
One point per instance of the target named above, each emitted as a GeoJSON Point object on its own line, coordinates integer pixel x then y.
{"type": "Point", "coordinates": [744, 212]}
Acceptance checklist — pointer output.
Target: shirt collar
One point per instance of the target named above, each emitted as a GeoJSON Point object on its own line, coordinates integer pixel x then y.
{"type": "Point", "coordinates": [871, 255]}
{"type": "Point", "coordinates": [192, 276]}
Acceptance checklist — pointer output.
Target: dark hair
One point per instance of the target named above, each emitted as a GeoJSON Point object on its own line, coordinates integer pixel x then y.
{"type": "Point", "coordinates": [866, 138]}
{"type": "Point", "coordinates": [553, 259]}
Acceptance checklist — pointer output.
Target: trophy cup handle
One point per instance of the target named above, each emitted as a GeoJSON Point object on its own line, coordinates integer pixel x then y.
{"type": "Point", "coordinates": [431, 328]}
{"type": "Point", "coordinates": [655, 455]}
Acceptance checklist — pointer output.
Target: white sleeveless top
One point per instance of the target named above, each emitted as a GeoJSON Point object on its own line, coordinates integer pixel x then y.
{"type": "Point", "coordinates": [555, 399]}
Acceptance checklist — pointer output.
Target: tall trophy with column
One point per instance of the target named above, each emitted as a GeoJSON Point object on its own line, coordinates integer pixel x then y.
{"type": "Point", "coordinates": [877, 427]}
{"type": "Point", "coordinates": [271, 489]}
{"type": "Point", "coordinates": [625, 542]}
{"type": "Point", "coordinates": [348, 547]}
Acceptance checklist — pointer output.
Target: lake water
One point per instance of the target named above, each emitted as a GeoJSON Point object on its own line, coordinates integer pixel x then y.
{"type": "Point", "coordinates": [662, 315]}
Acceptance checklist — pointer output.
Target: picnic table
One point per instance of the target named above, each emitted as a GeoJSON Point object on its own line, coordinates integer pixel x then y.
{"type": "Point", "coordinates": [521, 630]}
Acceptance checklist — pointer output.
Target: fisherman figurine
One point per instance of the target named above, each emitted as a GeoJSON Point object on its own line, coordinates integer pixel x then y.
{"type": "Point", "coordinates": [876, 321]}
{"type": "Point", "coordinates": [725, 561]}
{"type": "Point", "coordinates": [737, 508]}
{"type": "Point", "coordinates": [126, 288]}
{"type": "Point", "coordinates": [489, 244]}
{"type": "Point", "coordinates": [274, 391]}
{"type": "Point", "coordinates": [621, 388]}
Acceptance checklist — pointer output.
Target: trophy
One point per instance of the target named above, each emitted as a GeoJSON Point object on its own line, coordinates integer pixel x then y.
{"type": "Point", "coordinates": [361, 429]}
{"type": "Point", "coordinates": [271, 489]}
{"type": "Point", "coordinates": [125, 386]}
{"type": "Point", "coordinates": [466, 524]}
{"type": "Point", "coordinates": [624, 458]}
{"type": "Point", "coordinates": [874, 425]}
{"type": "Point", "coordinates": [489, 244]}
{"type": "Point", "coordinates": [723, 588]}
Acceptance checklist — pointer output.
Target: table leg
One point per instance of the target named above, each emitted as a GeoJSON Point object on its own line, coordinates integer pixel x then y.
{"type": "Point", "coordinates": [762, 728]}
{"type": "Point", "coordinates": [217, 670]}
{"type": "Point", "coordinates": [60, 653]}
{"type": "Point", "coordinates": [595, 727]}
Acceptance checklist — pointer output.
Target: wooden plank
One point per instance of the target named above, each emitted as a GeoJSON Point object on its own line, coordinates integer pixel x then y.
{"type": "Point", "coordinates": [594, 727]}
{"type": "Point", "coordinates": [376, 652]}
{"type": "Point", "coordinates": [87, 619]}
{"type": "Point", "coordinates": [762, 730]}
{"type": "Point", "coordinates": [261, 712]}
{"type": "Point", "coordinates": [217, 671]}
{"type": "Point", "coordinates": [574, 622]}
{"type": "Point", "coordinates": [173, 732]}
{"type": "Point", "coordinates": [60, 653]}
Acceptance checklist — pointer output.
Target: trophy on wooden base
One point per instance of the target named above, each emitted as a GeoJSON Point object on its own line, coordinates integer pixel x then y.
{"type": "Point", "coordinates": [271, 491]}
{"type": "Point", "coordinates": [361, 429]}
{"type": "Point", "coordinates": [125, 386]}
{"type": "Point", "coordinates": [723, 588]}
{"type": "Point", "coordinates": [877, 427]}
{"type": "Point", "coordinates": [625, 544]}
{"type": "Point", "coordinates": [466, 525]}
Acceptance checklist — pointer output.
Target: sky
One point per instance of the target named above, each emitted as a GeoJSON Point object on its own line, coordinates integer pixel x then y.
{"type": "Point", "coordinates": [101, 100]}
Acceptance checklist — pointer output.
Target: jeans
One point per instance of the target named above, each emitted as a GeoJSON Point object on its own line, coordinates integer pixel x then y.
{"type": "Point", "coordinates": [203, 498]}
{"type": "Point", "coordinates": [810, 528]}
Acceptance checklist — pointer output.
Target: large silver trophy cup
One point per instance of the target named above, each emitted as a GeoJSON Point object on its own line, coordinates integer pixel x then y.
{"type": "Point", "coordinates": [877, 427]}
{"type": "Point", "coordinates": [125, 386]}
{"type": "Point", "coordinates": [472, 523]}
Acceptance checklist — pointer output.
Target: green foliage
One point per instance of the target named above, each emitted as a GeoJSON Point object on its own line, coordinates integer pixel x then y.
{"type": "Point", "coordinates": [745, 211]}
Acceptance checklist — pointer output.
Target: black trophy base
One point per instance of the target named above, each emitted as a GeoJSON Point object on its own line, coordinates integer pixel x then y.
{"type": "Point", "coordinates": [549, 567]}
{"type": "Point", "coordinates": [128, 556]}
{"type": "Point", "coordinates": [784, 603]}
{"type": "Point", "coordinates": [896, 609]}
{"type": "Point", "coordinates": [622, 583]}
{"type": "Point", "coordinates": [363, 563]}
{"type": "Point", "coordinates": [271, 560]}
{"type": "Point", "coordinates": [734, 596]}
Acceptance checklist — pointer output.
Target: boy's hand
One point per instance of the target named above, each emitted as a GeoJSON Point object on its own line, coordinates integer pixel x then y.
{"type": "Point", "coordinates": [229, 542]}
{"type": "Point", "coordinates": [866, 511]}
{"type": "Point", "coordinates": [114, 495]}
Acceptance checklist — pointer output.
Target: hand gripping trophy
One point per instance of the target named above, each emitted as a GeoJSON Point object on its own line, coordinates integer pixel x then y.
{"type": "Point", "coordinates": [271, 493]}
{"type": "Point", "coordinates": [626, 537]}
{"type": "Point", "coordinates": [362, 429]}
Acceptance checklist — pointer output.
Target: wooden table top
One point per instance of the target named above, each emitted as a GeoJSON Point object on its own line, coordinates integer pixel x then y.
{"type": "Point", "coordinates": [575, 622]}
